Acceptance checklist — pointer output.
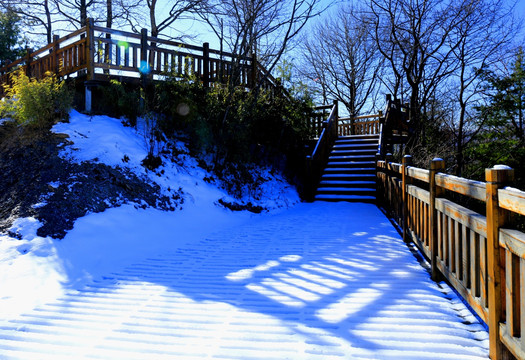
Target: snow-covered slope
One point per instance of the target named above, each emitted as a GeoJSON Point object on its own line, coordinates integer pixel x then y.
{"type": "Point", "coordinates": [35, 269]}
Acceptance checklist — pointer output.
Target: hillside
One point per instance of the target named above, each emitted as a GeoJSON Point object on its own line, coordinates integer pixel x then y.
{"type": "Point", "coordinates": [82, 191]}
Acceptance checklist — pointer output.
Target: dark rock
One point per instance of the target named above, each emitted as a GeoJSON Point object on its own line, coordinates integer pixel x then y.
{"type": "Point", "coordinates": [29, 162]}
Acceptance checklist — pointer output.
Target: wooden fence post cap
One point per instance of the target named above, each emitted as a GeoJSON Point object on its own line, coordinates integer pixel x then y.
{"type": "Point", "coordinates": [437, 163]}
{"type": "Point", "coordinates": [407, 160]}
{"type": "Point", "coordinates": [499, 174]}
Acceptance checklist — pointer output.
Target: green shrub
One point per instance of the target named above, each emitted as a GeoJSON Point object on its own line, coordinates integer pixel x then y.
{"type": "Point", "coordinates": [36, 102]}
{"type": "Point", "coordinates": [119, 99]}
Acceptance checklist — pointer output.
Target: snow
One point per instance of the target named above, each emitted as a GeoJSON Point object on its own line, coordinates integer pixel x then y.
{"type": "Point", "coordinates": [301, 281]}
{"type": "Point", "coordinates": [502, 167]}
{"type": "Point", "coordinates": [101, 242]}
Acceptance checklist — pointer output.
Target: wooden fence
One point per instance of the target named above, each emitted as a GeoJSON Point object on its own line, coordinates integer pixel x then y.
{"type": "Point", "coordinates": [346, 126]}
{"type": "Point", "coordinates": [360, 125]}
{"type": "Point", "coordinates": [481, 255]}
{"type": "Point", "coordinates": [98, 53]}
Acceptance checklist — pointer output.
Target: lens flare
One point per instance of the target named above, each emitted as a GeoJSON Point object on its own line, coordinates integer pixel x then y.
{"type": "Point", "coordinates": [144, 67]}
{"type": "Point", "coordinates": [124, 44]}
{"type": "Point", "coordinates": [183, 109]}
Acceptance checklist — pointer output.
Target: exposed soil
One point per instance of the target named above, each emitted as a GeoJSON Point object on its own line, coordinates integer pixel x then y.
{"type": "Point", "coordinates": [35, 181]}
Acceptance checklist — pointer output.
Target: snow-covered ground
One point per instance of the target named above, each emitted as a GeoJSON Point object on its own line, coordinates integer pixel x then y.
{"type": "Point", "coordinates": [34, 269]}
{"type": "Point", "coordinates": [302, 281]}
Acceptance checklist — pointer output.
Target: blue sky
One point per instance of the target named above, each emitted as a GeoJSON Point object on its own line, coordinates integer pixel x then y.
{"type": "Point", "coordinates": [202, 33]}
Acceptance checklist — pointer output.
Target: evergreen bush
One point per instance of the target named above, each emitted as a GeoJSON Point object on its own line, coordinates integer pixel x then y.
{"type": "Point", "coordinates": [36, 102]}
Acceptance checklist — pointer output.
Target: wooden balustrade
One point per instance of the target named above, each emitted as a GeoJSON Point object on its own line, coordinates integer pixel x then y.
{"type": "Point", "coordinates": [481, 255]}
{"type": "Point", "coordinates": [98, 53]}
{"type": "Point", "coordinates": [360, 125]}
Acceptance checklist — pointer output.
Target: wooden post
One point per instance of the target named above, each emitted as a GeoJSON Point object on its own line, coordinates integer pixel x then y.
{"type": "Point", "coordinates": [254, 71]}
{"type": "Point", "coordinates": [390, 185]}
{"type": "Point", "coordinates": [206, 64]}
{"type": "Point", "coordinates": [496, 178]}
{"type": "Point", "coordinates": [335, 126]}
{"type": "Point", "coordinates": [407, 161]}
{"type": "Point", "coordinates": [90, 64]}
{"type": "Point", "coordinates": [143, 51]}
{"type": "Point", "coordinates": [379, 194]}
{"type": "Point", "coordinates": [56, 58]}
{"type": "Point", "coordinates": [436, 166]}
{"type": "Point", "coordinates": [90, 49]}
{"type": "Point", "coordinates": [29, 59]}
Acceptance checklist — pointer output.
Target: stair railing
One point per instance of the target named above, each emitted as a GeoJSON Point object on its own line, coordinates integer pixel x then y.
{"type": "Point", "coordinates": [316, 162]}
{"type": "Point", "coordinates": [394, 127]}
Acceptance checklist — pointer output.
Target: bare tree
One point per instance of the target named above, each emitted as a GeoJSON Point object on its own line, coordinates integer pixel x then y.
{"type": "Point", "coordinates": [76, 12]}
{"type": "Point", "coordinates": [162, 16]}
{"type": "Point", "coordinates": [343, 60]}
{"type": "Point", "coordinates": [481, 40]}
{"type": "Point", "coordinates": [39, 17]}
{"type": "Point", "coordinates": [413, 38]}
{"type": "Point", "coordinates": [264, 28]}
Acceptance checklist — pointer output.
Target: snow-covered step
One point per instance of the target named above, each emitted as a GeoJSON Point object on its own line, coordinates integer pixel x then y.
{"type": "Point", "coordinates": [348, 177]}
{"type": "Point", "coordinates": [347, 183]}
{"type": "Point", "coordinates": [346, 190]}
{"type": "Point", "coordinates": [355, 146]}
{"type": "Point", "coordinates": [353, 164]}
{"type": "Point", "coordinates": [345, 176]}
{"type": "Point", "coordinates": [352, 158]}
{"type": "Point", "coordinates": [348, 141]}
{"type": "Point", "coordinates": [369, 152]}
{"type": "Point", "coordinates": [343, 197]}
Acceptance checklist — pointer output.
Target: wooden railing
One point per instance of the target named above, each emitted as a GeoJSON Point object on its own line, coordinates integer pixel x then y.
{"type": "Point", "coordinates": [317, 120]}
{"type": "Point", "coordinates": [481, 255]}
{"type": "Point", "coordinates": [316, 162]}
{"type": "Point", "coordinates": [394, 127]}
{"type": "Point", "coordinates": [98, 53]}
{"type": "Point", "coordinates": [360, 125]}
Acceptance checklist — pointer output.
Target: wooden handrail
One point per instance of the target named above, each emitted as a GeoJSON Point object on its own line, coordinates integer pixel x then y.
{"type": "Point", "coordinates": [481, 255]}
{"type": "Point", "coordinates": [102, 53]}
{"type": "Point", "coordinates": [316, 162]}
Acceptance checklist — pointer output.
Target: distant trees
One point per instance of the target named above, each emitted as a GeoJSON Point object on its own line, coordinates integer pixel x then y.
{"type": "Point", "coordinates": [441, 57]}
{"type": "Point", "coordinates": [264, 28]}
{"type": "Point", "coordinates": [343, 61]}
{"type": "Point", "coordinates": [501, 118]}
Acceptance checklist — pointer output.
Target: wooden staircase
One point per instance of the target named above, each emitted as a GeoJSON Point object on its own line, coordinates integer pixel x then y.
{"type": "Point", "coordinates": [350, 171]}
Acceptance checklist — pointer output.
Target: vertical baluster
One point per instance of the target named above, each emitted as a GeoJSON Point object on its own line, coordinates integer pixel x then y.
{"type": "Point", "coordinates": [458, 250]}
{"type": "Point", "coordinates": [475, 268]}
{"type": "Point", "coordinates": [465, 263]}
{"type": "Point", "coordinates": [512, 289]}
{"type": "Point", "coordinates": [483, 286]}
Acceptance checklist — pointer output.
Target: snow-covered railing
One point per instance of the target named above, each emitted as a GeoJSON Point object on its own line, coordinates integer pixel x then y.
{"type": "Point", "coordinates": [480, 253]}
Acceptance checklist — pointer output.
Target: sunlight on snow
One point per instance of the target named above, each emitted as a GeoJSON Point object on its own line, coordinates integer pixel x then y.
{"type": "Point", "coordinates": [245, 274]}
{"type": "Point", "coordinates": [349, 305]}
{"type": "Point", "coordinates": [359, 233]}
